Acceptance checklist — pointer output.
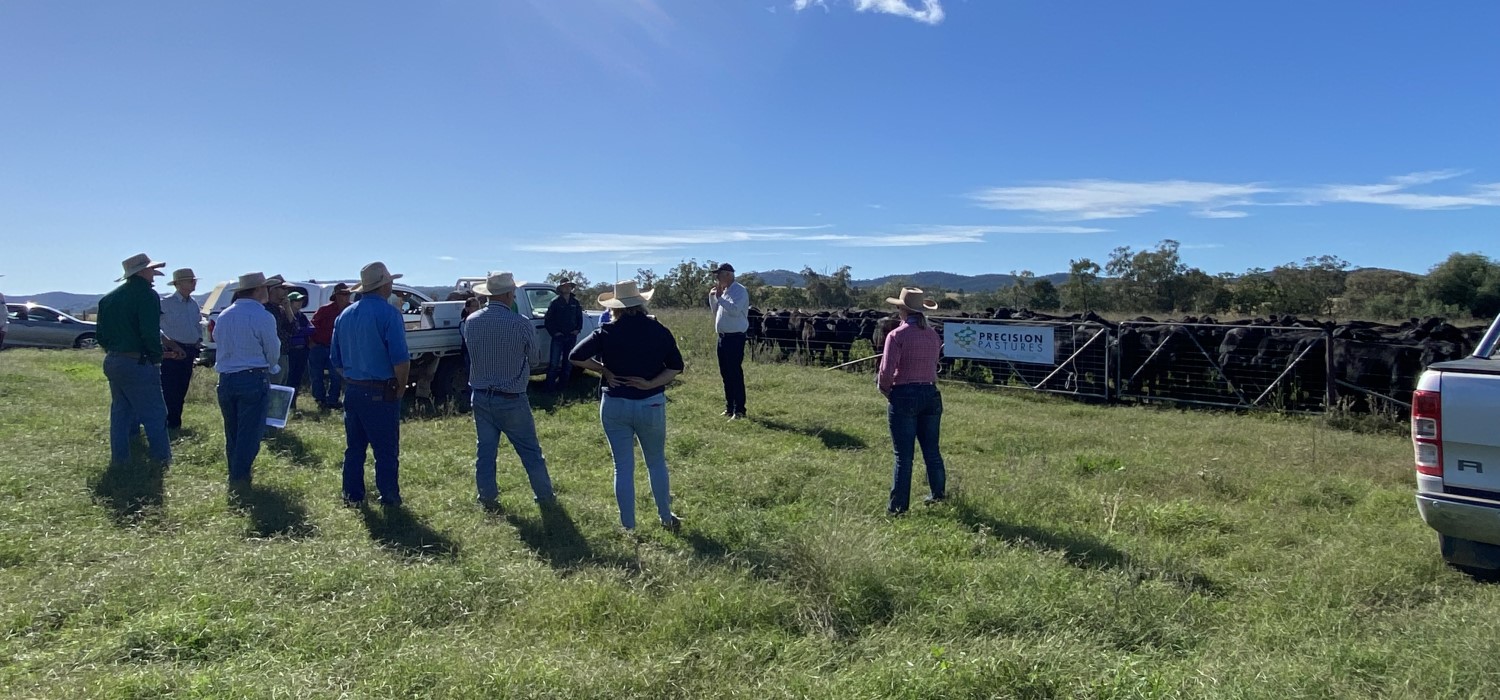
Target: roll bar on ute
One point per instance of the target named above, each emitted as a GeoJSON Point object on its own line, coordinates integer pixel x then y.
{"type": "Point", "coordinates": [1486, 347]}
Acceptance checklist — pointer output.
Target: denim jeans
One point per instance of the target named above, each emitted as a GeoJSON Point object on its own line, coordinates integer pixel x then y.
{"type": "Point", "coordinates": [326, 382]}
{"type": "Point", "coordinates": [371, 422]}
{"type": "Point", "coordinates": [297, 370]}
{"type": "Point", "coordinates": [135, 399]}
{"type": "Point", "coordinates": [243, 399]}
{"type": "Point", "coordinates": [916, 414]}
{"type": "Point", "coordinates": [493, 415]}
{"type": "Point", "coordinates": [176, 377]}
{"type": "Point", "coordinates": [627, 421]}
{"type": "Point", "coordinates": [559, 369]}
{"type": "Point", "coordinates": [731, 351]}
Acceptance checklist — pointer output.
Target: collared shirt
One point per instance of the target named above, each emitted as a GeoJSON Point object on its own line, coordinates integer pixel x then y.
{"type": "Point", "coordinates": [286, 326]}
{"type": "Point", "coordinates": [322, 322]}
{"type": "Point", "coordinates": [130, 320]}
{"type": "Point", "coordinates": [564, 316]}
{"type": "Point", "coordinates": [911, 355]}
{"type": "Point", "coordinates": [500, 342]}
{"type": "Point", "coordinates": [631, 346]}
{"type": "Point", "coordinates": [731, 309]}
{"type": "Point", "coordinates": [246, 337]}
{"type": "Point", "coordinates": [369, 340]}
{"type": "Point", "coordinates": [180, 318]}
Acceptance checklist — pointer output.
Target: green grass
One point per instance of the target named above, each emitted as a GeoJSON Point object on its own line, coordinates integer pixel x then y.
{"type": "Point", "coordinates": [1087, 552]}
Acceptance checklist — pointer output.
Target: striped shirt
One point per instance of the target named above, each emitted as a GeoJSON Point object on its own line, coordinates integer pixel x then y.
{"type": "Point", "coordinates": [180, 317]}
{"type": "Point", "coordinates": [911, 356]}
{"type": "Point", "coordinates": [500, 343]}
{"type": "Point", "coordinates": [246, 337]}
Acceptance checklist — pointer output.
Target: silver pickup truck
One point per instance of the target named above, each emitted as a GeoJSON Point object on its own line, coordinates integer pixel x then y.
{"type": "Point", "coordinates": [1455, 431]}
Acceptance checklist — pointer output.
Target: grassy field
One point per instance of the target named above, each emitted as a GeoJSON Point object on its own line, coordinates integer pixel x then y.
{"type": "Point", "coordinates": [1087, 552]}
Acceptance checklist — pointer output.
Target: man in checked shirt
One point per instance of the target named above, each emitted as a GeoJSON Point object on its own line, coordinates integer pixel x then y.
{"type": "Point", "coordinates": [500, 342]}
{"type": "Point", "coordinates": [908, 379]}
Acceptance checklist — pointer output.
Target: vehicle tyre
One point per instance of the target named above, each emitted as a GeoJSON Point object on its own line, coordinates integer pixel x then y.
{"type": "Point", "coordinates": [86, 342]}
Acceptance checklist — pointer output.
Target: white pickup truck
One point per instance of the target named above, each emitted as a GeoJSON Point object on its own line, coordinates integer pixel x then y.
{"type": "Point", "coordinates": [1455, 430]}
{"type": "Point", "coordinates": [435, 341]}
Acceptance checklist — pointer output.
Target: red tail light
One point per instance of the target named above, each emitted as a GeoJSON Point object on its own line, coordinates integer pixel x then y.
{"type": "Point", "coordinates": [1427, 431]}
{"type": "Point", "coordinates": [211, 329]}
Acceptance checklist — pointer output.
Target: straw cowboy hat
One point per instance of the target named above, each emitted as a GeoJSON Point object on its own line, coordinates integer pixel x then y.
{"type": "Point", "coordinates": [911, 299]}
{"type": "Point", "coordinates": [138, 262]}
{"type": "Point", "coordinates": [374, 276]}
{"type": "Point", "coordinates": [495, 284]}
{"type": "Point", "coordinates": [251, 280]}
{"type": "Point", "coordinates": [184, 275]}
{"type": "Point", "coordinates": [625, 296]}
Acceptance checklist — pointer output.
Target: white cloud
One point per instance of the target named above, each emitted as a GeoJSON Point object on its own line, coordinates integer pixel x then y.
{"type": "Point", "coordinates": [939, 235]}
{"type": "Point", "coordinates": [447, 258]}
{"type": "Point", "coordinates": [1220, 214]}
{"type": "Point", "coordinates": [1113, 199]}
{"type": "Point", "coordinates": [928, 11]}
{"type": "Point", "coordinates": [1201, 246]}
{"type": "Point", "coordinates": [1394, 192]}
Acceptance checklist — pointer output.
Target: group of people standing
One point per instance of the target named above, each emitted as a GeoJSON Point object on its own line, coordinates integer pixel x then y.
{"type": "Point", "coordinates": [359, 347]}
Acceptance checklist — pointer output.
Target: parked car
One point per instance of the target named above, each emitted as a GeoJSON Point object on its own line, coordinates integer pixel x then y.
{"type": "Point", "coordinates": [317, 293]}
{"type": "Point", "coordinates": [1455, 431]}
{"type": "Point", "coordinates": [37, 326]}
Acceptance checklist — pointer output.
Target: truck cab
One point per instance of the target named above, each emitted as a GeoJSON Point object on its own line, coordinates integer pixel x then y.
{"type": "Point", "coordinates": [1455, 432]}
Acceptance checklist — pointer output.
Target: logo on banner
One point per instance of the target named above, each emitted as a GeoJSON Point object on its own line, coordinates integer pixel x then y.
{"type": "Point", "coordinates": [1028, 344]}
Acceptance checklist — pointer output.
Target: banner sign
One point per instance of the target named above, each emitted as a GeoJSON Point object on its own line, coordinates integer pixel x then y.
{"type": "Point", "coordinates": [984, 341]}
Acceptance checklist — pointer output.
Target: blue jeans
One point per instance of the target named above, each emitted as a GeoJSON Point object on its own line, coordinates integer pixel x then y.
{"type": "Point", "coordinates": [493, 415]}
{"type": "Point", "coordinates": [135, 399]}
{"type": "Point", "coordinates": [297, 371]}
{"type": "Point", "coordinates": [326, 382]}
{"type": "Point", "coordinates": [371, 422]}
{"type": "Point", "coordinates": [627, 421]}
{"type": "Point", "coordinates": [243, 399]}
{"type": "Point", "coordinates": [559, 369]}
{"type": "Point", "coordinates": [916, 414]}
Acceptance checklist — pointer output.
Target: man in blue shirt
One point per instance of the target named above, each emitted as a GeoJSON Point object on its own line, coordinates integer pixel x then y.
{"type": "Point", "coordinates": [369, 350]}
{"type": "Point", "coordinates": [248, 350]}
{"type": "Point", "coordinates": [500, 343]}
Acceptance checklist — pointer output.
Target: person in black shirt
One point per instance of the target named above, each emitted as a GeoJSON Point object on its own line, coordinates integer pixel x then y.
{"type": "Point", "coordinates": [638, 358]}
{"type": "Point", "coordinates": [564, 319]}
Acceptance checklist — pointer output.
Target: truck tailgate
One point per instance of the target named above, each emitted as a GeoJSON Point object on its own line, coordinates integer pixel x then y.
{"type": "Point", "coordinates": [1471, 431]}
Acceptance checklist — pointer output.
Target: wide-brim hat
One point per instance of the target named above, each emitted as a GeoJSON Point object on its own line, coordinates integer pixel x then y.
{"type": "Point", "coordinates": [496, 283]}
{"type": "Point", "coordinates": [251, 280]}
{"type": "Point", "coordinates": [625, 295]}
{"type": "Point", "coordinates": [184, 275]}
{"type": "Point", "coordinates": [565, 282]}
{"type": "Point", "coordinates": [140, 261]}
{"type": "Point", "coordinates": [911, 299]}
{"type": "Point", "coordinates": [374, 276]}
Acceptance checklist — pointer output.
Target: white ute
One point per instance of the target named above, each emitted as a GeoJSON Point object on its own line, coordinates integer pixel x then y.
{"type": "Point", "coordinates": [1455, 431]}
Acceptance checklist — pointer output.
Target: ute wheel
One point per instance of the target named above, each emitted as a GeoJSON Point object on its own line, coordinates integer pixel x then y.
{"type": "Point", "coordinates": [86, 342]}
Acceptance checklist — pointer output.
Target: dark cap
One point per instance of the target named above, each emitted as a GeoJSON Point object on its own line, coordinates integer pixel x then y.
{"type": "Point", "coordinates": [724, 267]}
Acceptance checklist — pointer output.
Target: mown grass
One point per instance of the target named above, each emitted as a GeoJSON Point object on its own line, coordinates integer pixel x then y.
{"type": "Point", "coordinates": [1087, 552]}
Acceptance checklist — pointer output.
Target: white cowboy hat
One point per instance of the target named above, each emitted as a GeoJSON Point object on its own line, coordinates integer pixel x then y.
{"type": "Point", "coordinates": [374, 276]}
{"type": "Point", "coordinates": [495, 284]}
{"type": "Point", "coordinates": [911, 299]}
{"type": "Point", "coordinates": [251, 280]}
{"type": "Point", "coordinates": [138, 262]}
{"type": "Point", "coordinates": [625, 295]}
{"type": "Point", "coordinates": [184, 275]}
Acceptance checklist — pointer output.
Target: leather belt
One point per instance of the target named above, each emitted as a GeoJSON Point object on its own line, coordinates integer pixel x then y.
{"type": "Point", "coordinates": [497, 392]}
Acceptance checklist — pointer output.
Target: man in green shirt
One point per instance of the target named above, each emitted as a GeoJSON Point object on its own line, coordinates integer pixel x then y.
{"type": "Point", "coordinates": [129, 331]}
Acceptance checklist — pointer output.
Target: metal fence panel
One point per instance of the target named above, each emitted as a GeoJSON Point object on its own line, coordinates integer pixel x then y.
{"type": "Point", "coordinates": [1223, 365]}
{"type": "Point", "coordinates": [1081, 364]}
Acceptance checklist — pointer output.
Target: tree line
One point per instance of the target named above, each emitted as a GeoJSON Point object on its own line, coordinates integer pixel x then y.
{"type": "Point", "coordinates": [1154, 281]}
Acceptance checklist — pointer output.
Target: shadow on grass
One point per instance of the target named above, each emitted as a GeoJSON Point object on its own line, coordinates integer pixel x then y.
{"type": "Point", "coordinates": [832, 439]}
{"type": "Point", "coordinates": [291, 444]}
{"type": "Point", "coordinates": [276, 513]}
{"type": "Point", "coordinates": [1081, 550]}
{"type": "Point", "coordinates": [581, 388]}
{"type": "Point", "coordinates": [556, 539]}
{"type": "Point", "coordinates": [758, 563]}
{"type": "Point", "coordinates": [131, 491]}
{"type": "Point", "coordinates": [398, 530]}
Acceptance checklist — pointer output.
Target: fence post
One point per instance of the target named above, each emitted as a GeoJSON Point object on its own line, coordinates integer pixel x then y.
{"type": "Point", "coordinates": [1331, 391]}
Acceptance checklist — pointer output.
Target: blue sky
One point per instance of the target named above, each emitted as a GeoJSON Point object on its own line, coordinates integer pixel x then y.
{"type": "Point", "coordinates": [449, 138]}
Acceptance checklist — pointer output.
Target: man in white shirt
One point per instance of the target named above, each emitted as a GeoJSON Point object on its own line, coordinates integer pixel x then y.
{"type": "Point", "coordinates": [731, 304]}
{"type": "Point", "coordinates": [180, 317]}
{"type": "Point", "coordinates": [248, 351]}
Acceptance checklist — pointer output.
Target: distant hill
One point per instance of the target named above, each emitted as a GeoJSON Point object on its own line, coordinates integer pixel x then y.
{"type": "Point", "coordinates": [75, 303]}
{"type": "Point", "coordinates": [935, 280]}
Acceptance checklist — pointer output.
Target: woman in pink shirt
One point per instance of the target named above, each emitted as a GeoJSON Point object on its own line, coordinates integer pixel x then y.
{"type": "Point", "coordinates": [908, 379]}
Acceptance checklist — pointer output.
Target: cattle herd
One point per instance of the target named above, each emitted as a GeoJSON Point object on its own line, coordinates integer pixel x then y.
{"type": "Point", "coordinates": [1281, 362]}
